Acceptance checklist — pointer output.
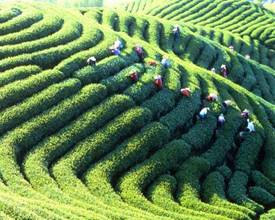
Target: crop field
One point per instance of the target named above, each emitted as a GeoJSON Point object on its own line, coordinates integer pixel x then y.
{"type": "Point", "coordinates": [81, 141]}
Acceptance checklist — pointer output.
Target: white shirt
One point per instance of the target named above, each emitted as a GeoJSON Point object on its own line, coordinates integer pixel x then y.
{"type": "Point", "coordinates": [117, 44]}
{"type": "Point", "coordinates": [92, 59]}
{"type": "Point", "coordinates": [165, 61]}
{"type": "Point", "coordinates": [251, 126]}
{"type": "Point", "coordinates": [176, 28]}
{"type": "Point", "coordinates": [204, 111]}
{"type": "Point", "coordinates": [221, 118]}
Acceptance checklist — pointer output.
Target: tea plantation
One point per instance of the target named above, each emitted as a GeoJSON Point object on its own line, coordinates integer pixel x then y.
{"type": "Point", "coordinates": [81, 141]}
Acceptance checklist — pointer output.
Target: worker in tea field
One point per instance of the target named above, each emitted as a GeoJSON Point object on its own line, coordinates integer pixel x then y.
{"type": "Point", "coordinates": [91, 61]}
{"type": "Point", "coordinates": [249, 129]}
{"type": "Point", "coordinates": [152, 63]}
{"type": "Point", "coordinates": [118, 44]}
{"type": "Point", "coordinates": [226, 103]}
{"type": "Point", "coordinates": [185, 92]}
{"type": "Point", "coordinates": [158, 82]}
{"type": "Point", "coordinates": [165, 62]}
{"type": "Point", "coordinates": [116, 47]}
{"type": "Point", "coordinates": [140, 52]}
{"type": "Point", "coordinates": [203, 113]}
{"type": "Point", "coordinates": [231, 48]}
{"type": "Point", "coordinates": [116, 52]}
{"type": "Point", "coordinates": [213, 70]}
{"type": "Point", "coordinates": [176, 31]}
{"type": "Point", "coordinates": [134, 76]}
{"type": "Point", "coordinates": [245, 114]}
{"type": "Point", "coordinates": [247, 56]}
{"type": "Point", "coordinates": [250, 126]}
{"type": "Point", "coordinates": [212, 97]}
{"type": "Point", "coordinates": [224, 70]}
{"type": "Point", "coordinates": [221, 120]}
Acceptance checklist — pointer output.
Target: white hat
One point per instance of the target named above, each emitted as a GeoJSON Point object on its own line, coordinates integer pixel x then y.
{"type": "Point", "coordinates": [158, 77]}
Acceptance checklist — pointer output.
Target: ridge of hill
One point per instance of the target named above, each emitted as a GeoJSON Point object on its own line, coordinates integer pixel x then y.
{"type": "Point", "coordinates": [270, 6]}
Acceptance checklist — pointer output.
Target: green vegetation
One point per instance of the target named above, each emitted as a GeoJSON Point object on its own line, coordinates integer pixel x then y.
{"type": "Point", "coordinates": [81, 141]}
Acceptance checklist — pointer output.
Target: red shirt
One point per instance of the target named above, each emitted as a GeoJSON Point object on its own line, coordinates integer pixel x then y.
{"type": "Point", "coordinates": [185, 92]}
{"type": "Point", "coordinates": [134, 76]}
{"type": "Point", "coordinates": [158, 83]}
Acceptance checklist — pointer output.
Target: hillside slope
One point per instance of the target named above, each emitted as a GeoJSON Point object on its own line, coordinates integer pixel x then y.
{"type": "Point", "coordinates": [86, 142]}
{"type": "Point", "coordinates": [238, 17]}
{"type": "Point", "coordinates": [270, 6]}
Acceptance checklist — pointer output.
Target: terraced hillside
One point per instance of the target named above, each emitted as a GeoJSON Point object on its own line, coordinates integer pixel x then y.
{"type": "Point", "coordinates": [81, 141]}
{"type": "Point", "coordinates": [238, 17]}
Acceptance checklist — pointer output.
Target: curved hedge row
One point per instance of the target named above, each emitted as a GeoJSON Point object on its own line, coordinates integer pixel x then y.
{"type": "Point", "coordinates": [19, 90]}
{"type": "Point", "coordinates": [23, 21]}
{"type": "Point", "coordinates": [18, 73]}
{"type": "Point", "coordinates": [47, 26]}
{"type": "Point", "coordinates": [161, 193]}
{"type": "Point", "coordinates": [8, 14]}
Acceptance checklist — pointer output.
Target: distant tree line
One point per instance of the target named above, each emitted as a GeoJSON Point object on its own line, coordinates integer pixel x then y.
{"type": "Point", "coordinates": [99, 3]}
{"type": "Point", "coordinates": [262, 2]}
{"type": "Point", "coordinates": [79, 3]}
{"type": "Point", "coordinates": [72, 3]}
